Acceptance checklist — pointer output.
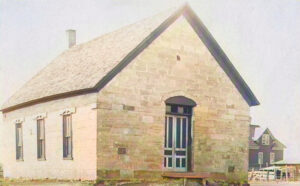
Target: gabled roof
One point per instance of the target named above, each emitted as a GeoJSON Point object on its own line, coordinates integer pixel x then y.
{"type": "Point", "coordinates": [88, 67]}
{"type": "Point", "coordinates": [277, 142]}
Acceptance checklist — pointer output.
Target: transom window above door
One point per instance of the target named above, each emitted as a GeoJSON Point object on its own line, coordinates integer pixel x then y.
{"type": "Point", "coordinates": [177, 109]}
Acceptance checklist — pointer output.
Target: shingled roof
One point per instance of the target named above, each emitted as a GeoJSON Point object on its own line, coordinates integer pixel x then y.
{"type": "Point", "coordinates": [88, 67]}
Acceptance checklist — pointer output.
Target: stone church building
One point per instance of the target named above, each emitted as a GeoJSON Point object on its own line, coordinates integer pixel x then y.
{"type": "Point", "coordinates": [155, 97]}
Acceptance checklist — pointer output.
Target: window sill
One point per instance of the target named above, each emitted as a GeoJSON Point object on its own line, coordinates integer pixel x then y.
{"type": "Point", "coordinates": [20, 160]}
{"type": "Point", "coordinates": [178, 114]}
{"type": "Point", "coordinates": [41, 159]}
{"type": "Point", "coordinates": [68, 158]}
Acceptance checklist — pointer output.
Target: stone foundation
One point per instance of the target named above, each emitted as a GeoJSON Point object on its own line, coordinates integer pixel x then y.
{"type": "Point", "coordinates": [128, 174]}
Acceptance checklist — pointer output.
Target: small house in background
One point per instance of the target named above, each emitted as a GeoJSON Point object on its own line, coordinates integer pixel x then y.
{"type": "Point", "coordinates": [265, 150]}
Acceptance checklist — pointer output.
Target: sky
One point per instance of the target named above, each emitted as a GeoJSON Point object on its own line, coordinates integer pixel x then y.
{"type": "Point", "coordinates": [260, 37]}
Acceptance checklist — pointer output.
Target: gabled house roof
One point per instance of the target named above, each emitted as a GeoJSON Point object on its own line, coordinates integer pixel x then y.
{"type": "Point", "coordinates": [88, 67]}
{"type": "Point", "coordinates": [276, 141]}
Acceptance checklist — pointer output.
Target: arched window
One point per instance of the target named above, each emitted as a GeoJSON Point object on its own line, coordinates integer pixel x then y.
{"type": "Point", "coordinates": [181, 100]}
{"type": "Point", "coordinates": [179, 105]}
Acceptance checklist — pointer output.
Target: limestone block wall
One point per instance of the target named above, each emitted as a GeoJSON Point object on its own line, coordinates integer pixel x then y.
{"type": "Point", "coordinates": [131, 109]}
{"type": "Point", "coordinates": [83, 165]}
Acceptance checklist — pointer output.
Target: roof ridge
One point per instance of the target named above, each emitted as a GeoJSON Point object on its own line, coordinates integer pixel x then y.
{"type": "Point", "coordinates": [158, 14]}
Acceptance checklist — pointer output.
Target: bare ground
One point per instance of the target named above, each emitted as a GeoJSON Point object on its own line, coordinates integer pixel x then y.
{"type": "Point", "coordinates": [275, 184]}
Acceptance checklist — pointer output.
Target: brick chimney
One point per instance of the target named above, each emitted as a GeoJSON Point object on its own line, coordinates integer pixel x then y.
{"type": "Point", "coordinates": [252, 131]}
{"type": "Point", "coordinates": [71, 37]}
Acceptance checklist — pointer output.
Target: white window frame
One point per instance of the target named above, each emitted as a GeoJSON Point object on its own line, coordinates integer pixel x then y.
{"type": "Point", "coordinates": [265, 139]}
{"type": "Point", "coordinates": [67, 137]}
{"type": "Point", "coordinates": [41, 143]}
{"type": "Point", "coordinates": [272, 157]}
{"type": "Point", "coordinates": [67, 113]}
{"type": "Point", "coordinates": [19, 142]}
{"type": "Point", "coordinates": [260, 158]}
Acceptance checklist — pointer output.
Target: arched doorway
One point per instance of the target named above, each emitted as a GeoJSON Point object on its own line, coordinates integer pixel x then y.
{"type": "Point", "coordinates": [178, 134]}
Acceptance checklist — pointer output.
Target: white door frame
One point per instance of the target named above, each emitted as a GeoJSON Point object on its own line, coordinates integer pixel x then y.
{"type": "Point", "coordinates": [177, 160]}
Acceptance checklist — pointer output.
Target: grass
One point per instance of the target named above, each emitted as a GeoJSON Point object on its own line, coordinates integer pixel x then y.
{"type": "Point", "coordinates": [42, 182]}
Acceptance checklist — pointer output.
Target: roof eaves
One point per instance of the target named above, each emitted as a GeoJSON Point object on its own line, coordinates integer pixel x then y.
{"type": "Point", "coordinates": [204, 35]}
{"type": "Point", "coordinates": [220, 56]}
{"type": "Point", "coordinates": [280, 144]}
{"type": "Point", "coordinates": [49, 98]}
{"type": "Point", "coordinates": [208, 40]}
